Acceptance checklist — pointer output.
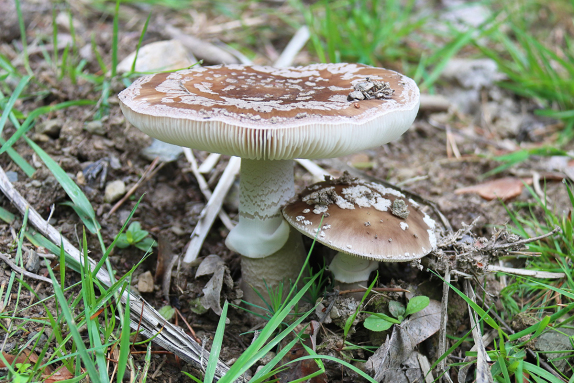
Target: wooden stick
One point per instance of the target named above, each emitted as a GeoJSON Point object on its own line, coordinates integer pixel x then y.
{"type": "Point", "coordinates": [18, 269]}
{"type": "Point", "coordinates": [204, 187]}
{"type": "Point", "coordinates": [211, 210]}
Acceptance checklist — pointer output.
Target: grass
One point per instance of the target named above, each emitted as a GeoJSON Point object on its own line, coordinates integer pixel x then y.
{"type": "Point", "coordinates": [382, 33]}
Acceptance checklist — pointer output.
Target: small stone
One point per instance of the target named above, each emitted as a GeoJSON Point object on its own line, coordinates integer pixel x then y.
{"type": "Point", "coordinates": [32, 261]}
{"type": "Point", "coordinates": [36, 183]}
{"type": "Point", "coordinates": [166, 152]}
{"type": "Point", "coordinates": [50, 127]}
{"type": "Point", "coordinates": [177, 230]}
{"type": "Point", "coordinates": [158, 56]}
{"type": "Point", "coordinates": [115, 163]}
{"type": "Point", "coordinates": [80, 178]}
{"type": "Point", "coordinates": [114, 191]}
{"type": "Point", "coordinates": [39, 137]}
{"type": "Point", "coordinates": [145, 282]}
{"type": "Point", "coordinates": [12, 176]}
{"type": "Point", "coordinates": [267, 358]}
{"type": "Point", "coordinates": [95, 127]}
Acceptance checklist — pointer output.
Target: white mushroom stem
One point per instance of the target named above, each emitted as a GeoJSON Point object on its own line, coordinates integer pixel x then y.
{"type": "Point", "coordinates": [272, 251]}
{"type": "Point", "coordinates": [351, 271]}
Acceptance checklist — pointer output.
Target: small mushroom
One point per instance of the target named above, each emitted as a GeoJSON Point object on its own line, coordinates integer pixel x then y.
{"type": "Point", "coordinates": [393, 238]}
{"type": "Point", "coordinates": [268, 117]}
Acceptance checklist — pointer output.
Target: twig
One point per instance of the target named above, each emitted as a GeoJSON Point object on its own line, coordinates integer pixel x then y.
{"type": "Point", "coordinates": [18, 269]}
{"type": "Point", "coordinates": [526, 240]}
{"type": "Point", "coordinates": [209, 162]}
{"type": "Point", "coordinates": [134, 188]}
{"type": "Point", "coordinates": [528, 273]}
{"type": "Point", "coordinates": [188, 326]}
{"type": "Point", "coordinates": [204, 187]}
{"type": "Point", "coordinates": [296, 43]}
{"type": "Point", "coordinates": [200, 49]}
{"type": "Point", "coordinates": [211, 210]}
{"type": "Point", "coordinates": [379, 289]}
{"type": "Point", "coordinates": [483, 374]}
{"type": "Point", "coordinates": [443, 317]}
{"type": "Point", "coordinates": [318, 172]}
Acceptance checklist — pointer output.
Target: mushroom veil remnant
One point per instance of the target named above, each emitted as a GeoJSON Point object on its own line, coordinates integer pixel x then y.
{"type": "Point", "coordinates": [268, 117]}
{"type": "Point", "coordinates": [366, 222]}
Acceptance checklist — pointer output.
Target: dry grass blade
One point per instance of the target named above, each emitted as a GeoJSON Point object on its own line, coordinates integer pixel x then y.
{"type": "Point", "coordinates": [483, 374]}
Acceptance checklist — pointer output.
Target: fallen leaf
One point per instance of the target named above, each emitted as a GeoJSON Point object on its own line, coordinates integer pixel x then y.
{"type": "Point", "coordinates": [503, 188]}
{"type": "Point", "coordinates": [61, 374]}
{"type": "Point", "coordinates": [387, 360]}
{"type": "Point", "coordinates": [305, 367]}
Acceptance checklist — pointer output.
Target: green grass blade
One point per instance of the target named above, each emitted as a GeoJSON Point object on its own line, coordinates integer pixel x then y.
{"type": "Point", "coordinates": [71, 189]}
{"type": "Point", "coordinates": [483, 314]}
{"type": "Point", "coordinates": [140, 43]}
{"type": "Point", "coordinates": [78, 340]}
{"type": "Point", "coordinates": [7, 109]}
{"type": "Point", "coordinates": [115, 38]}
{"type": "Point", "coordinates": [216, 346]}
{"type": "Point", "coordinates": [124, 340]}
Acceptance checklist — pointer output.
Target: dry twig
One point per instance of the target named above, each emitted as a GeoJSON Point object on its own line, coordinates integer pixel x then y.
{"type": "Point", "coordinates": [18, 269]}
{"type": "Point", "coordinates": [134, 188]}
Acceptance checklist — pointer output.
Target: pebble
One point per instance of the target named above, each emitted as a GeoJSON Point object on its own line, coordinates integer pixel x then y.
{"type": "Point", "coordinates": [114, 190]}
{"type": "Point", "coordinates": [145, 282]}
{"type": "Point", "coordinates": [12, 176]}
{"type": "Point", "coordinates": [50, 127]}
{"type": "Point", "coordinates": [166, 152]}
{"type": "Point", "coordinates": [32, 261]}
{"type": "Point", "coordinates": [157, 56]}
{"type": "Point", "coordinates": [95, 127]}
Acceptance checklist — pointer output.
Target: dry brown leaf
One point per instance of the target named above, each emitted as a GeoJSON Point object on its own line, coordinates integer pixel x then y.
{"type": "Point", "coordinates": [48, 375]}
{"type": "Point", "coordinates": [61, 374]}
{"type": "Point", "coordinates": [503, 188]}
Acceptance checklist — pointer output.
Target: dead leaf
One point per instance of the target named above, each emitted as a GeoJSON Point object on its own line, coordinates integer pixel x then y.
{"type": "Point", "coordinates": [387, 360]}
{"type": "Point", "coordinates": [209, 265]}
{"type": "Point", "coordinates": [305, 367]}
{"type": "Point", "coordinates": [503, 188]}
{"type": "Point", "coordinates": [48, 375]}
{"type": "Point", "coordinates": [61, 374]}
{"type": "Point", "coordinates": [145, 282]}
{"type": "Point", "coordinates": [212, 291]}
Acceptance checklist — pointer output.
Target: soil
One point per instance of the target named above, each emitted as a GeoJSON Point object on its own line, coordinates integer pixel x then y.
{"type": "Point", "coordinates": [172, 201]}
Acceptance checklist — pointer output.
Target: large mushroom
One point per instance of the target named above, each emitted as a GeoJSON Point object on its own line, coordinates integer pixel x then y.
{"type": "Point", "coordinates": [268, 117]}
{"type": "Point", "coordinates": [365, 222]}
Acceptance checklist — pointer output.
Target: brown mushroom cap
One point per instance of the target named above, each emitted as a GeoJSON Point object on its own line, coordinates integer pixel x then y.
{"type": "Point", "coordinates": [271, 113]}
{"type": "Point", "coordinates": [360, 220]}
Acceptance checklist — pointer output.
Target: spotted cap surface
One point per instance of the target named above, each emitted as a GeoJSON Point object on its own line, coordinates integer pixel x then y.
{"type": "Point", "coordinates": [260, 112]}
{"type": "Point", "coordinates": [364, 219]}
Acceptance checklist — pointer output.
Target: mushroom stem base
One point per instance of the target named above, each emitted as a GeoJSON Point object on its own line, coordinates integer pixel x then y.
{"type": "Point", "coordinates": [281, 266]}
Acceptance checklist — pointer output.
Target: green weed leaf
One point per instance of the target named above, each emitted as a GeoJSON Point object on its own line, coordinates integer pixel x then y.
{"type": "Point", "coordinates": [417, 304]}
{"type": "Point", "coordinates": [397, 309]}
{"type": "Point", "coordinates": [376, 323]}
